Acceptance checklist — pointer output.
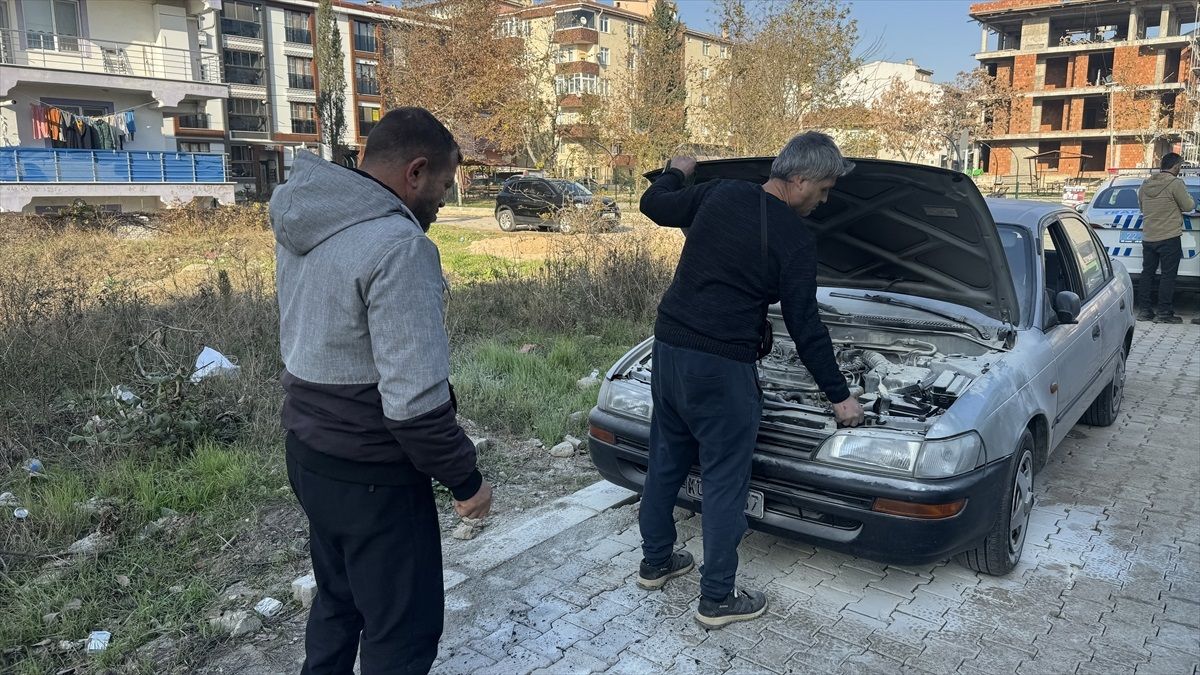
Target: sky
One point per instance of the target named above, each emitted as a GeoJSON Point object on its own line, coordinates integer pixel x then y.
{"type": "Point", "coordinates": [937, 34]}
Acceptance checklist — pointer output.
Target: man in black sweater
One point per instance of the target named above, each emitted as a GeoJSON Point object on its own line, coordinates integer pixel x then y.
{"type": "Point", "coordinates": [711, 321]}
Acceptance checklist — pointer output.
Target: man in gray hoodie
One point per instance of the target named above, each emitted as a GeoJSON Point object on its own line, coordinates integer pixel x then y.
{"type": "Point", "coordinates": [1164, 199]}
{"type": "Point", "coordinates": [368, 407]}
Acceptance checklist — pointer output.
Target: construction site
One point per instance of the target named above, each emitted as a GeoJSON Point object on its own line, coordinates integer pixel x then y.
{"type": "Point", "coordinates": [1098, 87]}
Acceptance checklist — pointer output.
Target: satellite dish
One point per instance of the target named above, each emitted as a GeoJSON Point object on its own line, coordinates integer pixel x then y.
{"type": "Point", "coordinates": [583, 21]}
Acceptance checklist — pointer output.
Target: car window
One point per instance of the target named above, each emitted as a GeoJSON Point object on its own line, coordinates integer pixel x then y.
{"type": "Point", "coordinates": [540, 190]}
{"type": "Point", "coordinates": [1017, 252]}
{"type": "Point", "coordinates": [572, 188]}
{"type": "Point", "coordinates": [1087, 255]}
{"type": "Point", "coordinates": [1118, 197]}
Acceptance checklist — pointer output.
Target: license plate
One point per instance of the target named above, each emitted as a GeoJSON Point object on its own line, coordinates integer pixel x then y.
{"type": "Point", "coordinates": [608, 216]}
{"type": "Point", "coordinates": [754, 501]}
{"type": "Point", "coordinates": [1131, 236]}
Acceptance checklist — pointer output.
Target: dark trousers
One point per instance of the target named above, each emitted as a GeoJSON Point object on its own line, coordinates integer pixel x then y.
{"type": "Point", "coordinates": [377, 557]}
{"type": "Point", "coordinates": [706, 411]}
{"type": "Point", "coordinates": [1167, 254]}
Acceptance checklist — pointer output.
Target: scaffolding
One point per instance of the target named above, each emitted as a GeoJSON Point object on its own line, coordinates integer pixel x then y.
{"type": "Point", "coordinates": [1191, 136]}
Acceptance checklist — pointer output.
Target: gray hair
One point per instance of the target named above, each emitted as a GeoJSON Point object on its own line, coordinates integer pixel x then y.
{"type": "Point", "coordinates": [811, 155]}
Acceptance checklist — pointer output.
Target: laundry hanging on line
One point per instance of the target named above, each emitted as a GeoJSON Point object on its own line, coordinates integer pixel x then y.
{"type": "Point", "coordinates": [106, 132]}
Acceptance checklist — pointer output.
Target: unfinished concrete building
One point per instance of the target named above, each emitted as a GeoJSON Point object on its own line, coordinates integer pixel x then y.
{"type": "Point", "coordinates": [1098, 84]}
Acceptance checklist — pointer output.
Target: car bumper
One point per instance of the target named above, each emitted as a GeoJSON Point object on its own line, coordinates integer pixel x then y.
{"type": "Point", "coordinates": [830, 506]}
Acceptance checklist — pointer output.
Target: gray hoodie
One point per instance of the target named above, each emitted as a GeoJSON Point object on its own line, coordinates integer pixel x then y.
{"type": "Point", "coordinates": [361, 331]}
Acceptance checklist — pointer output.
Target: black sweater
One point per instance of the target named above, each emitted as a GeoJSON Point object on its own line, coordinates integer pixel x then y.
{"type": "Point", "coordinates": [720, 295]}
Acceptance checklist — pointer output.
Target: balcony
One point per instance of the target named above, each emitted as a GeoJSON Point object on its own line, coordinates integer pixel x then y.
{"type": "Point", "coordinates": [572, 67]}
{"type": "Point", "coordinates": [299, 36]}
{"type": "Point", "coordinates": [193, 121]}
{"type": "Point", "coordinates": [249, 29]}
{"type": "Point", "coordinates": [245, 75]}
{"type": "Point", "coordinates": [576, 36]}
{"type": "Point", "coordinates": [41, 165]}
{"type": "Point", "coordinates": [197, 124]}
{"type": "Point", "coordinates": [253, 123]}
{"type": "Point", "coordinates": [570, 101]}
{"type": "Point", "coordinates": [302, 126]}
{"type": "Point", "coordinates": [169, 75]}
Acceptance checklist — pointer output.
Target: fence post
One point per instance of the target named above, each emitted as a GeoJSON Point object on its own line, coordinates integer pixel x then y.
{"type": "Point", "coordinates": [57, 169]}
{"type": "Point", "coordinates": [162, 166]}
{"type": "Point", "coordinates": [95, 173]}
{"type": "Point", "coordinates": [129, 167]}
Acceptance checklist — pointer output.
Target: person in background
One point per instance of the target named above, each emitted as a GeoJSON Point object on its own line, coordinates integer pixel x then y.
{"type": "Point", "coordinates": [368, 407]}
{"type": "Point", "coordinates": [710, 327]}
{"type": "Point", "coordinates": [1164, 199]}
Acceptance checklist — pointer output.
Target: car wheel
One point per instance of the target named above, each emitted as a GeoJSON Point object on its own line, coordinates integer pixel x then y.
{"type": "Point", "coordinates": [506, 220]}
{"type": "Point", "coordinates": [1000, 551]}
{"type": "Point", "coordinates": [1104, 410]}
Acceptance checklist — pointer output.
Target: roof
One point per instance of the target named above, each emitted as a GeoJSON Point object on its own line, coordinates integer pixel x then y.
{"type": "Point", "coordinates": [553, 7]}
{"type": "Point", "coordinates": [1001, 7]}
{"type": "Point", "coordinates": [1024, 213]}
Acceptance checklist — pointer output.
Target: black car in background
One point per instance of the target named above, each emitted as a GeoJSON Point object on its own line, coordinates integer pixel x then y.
{"type": "Point", "coordinates": [532, 202]}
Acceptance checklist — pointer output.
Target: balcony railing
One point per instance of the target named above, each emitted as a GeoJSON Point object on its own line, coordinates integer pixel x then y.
{"type": "Point", "coordinates": [300, 36]}
{"type": "Point", "coordinates": [78, 54]}
{"type": "Point", "coordinates": [193, 121]}
{"type": "Point", "coordinates": [367, 85]}
{"type": "Point", "coordinates": [247, 123]}
{"type": "Point", "coordinates": [42, 165]}
{"type": "Point", "coordinates": [302, 126]}
{"type": "Point", "coordinates": [250, 29]}
{"type": "Point", "coordinates": [297, 81]}
{"type": "Point", "coordinates": [244, 75]}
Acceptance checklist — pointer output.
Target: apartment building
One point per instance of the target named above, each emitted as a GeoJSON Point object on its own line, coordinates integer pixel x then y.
{"type": "Point", "coordinates": [89, 94]}
{"type": "Point", "coordinates": [595, 47]}
{"type": "Point", "coordinates": [1099, 84]}
{"type": "Point", "coordinates": [267, 52]}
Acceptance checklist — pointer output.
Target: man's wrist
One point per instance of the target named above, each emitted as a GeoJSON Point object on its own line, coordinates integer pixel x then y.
{"type": "Point", "coordinates": [468, 488]}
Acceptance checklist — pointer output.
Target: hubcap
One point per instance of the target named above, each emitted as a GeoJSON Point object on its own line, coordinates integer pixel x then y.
{"type": "Point", "coordinates": [1022, 505]}
{"type": "Point", "coordinates": [506, 219]}
{"type": "Point", "coordinates": [1118, 386]}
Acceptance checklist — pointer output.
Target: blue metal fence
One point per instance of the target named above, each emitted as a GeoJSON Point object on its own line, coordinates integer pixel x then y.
{"type": "Point", "coordinates": [42, 165]}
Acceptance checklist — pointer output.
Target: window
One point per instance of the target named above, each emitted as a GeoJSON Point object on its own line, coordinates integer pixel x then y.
{"type": "Point", "coordinates": [577, 83]}
{"type": "Point", "coordinates": [241, 161]}
{"type": "Point", "coordinates": [724, 51]}
{"type": "Point", "coordinates": [246, 114]}
{"type": "Point", "coordinates": [630, 30]}
{"type": "Point", "coordinates": [704, 100]}
{"type": "Point", "coordinates": [296, 27]}
{"type": "Point", "coordinates": [189, 146]}
{"type": "Point", "coordinates": [85, 108]}
{"type": "Point", "coordinates": [565, 55]}
{"type": "Point", "coordinates": [365, 79]}
{"type": "Point", "coordinates": [631, 59]}
{"type": "Point", "coordinates": [364, 36]}
{"type": "Point", "coordinates": [604, 25]}
{"type": "Point", "coordinates": [368, 117]}
{"type": "Point", "coordinates": [1017, 253]}
{"type": "Point", "coordinates": [241, 18]}
{"type": "Point", "coordinates": [1087, 255]}
{"type": "Point", "coordinates": [603, 58]}
{"type": "Point", "coordinates": [51, 24]}
{"type": "Point", "coordinates": [704, 73]}
{"type": "Point", "coordinates": [192, 121]}
{"type": "Point", "coordinates": [243, 67]}
{"type": "Point", "coordinates": [705, 48]}
{"type": "Point", "coordinates": [300, 71]}
{"type": "Point", "coordinates": [304, 118]}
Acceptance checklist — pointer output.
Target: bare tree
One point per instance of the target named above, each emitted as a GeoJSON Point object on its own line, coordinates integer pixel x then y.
{"type": "Point", "coordinates": [331, 97]}
{"type": "Point", "coordinates": [976, 104]}
{"type": "Point", "coordinates": [1148, 116]}
{"type": "Point", "coordinates": [903, 118]}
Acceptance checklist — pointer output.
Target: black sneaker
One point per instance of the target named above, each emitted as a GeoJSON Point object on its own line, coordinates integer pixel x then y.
{"type": "Point", "coordinates": [1196, 320]}
{"type": "Point", "coordinates": [653, 578]}
{"type": "Point", "coordinates": [737, 606]}
{"type": "Point", "coordinates": [1145, 316]}
{"type": "Point", "coordinates": [1167, 318]}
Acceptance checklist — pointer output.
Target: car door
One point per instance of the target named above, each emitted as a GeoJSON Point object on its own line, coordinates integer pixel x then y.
{"type": "Point", "coordinates": [1098, 284]}
{"type": "Point", "coordinates": [520, 200]}
{"type": "Point", "coordinates": [1078, 346]}
{"type": "Point", "coordinates": [543, 202]}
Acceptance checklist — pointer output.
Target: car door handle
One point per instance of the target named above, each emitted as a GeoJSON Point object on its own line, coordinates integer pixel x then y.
{"type": "Point", "coordinates": [1096, 332]}
{"type": "Point", "coordinates": [1122, 304]}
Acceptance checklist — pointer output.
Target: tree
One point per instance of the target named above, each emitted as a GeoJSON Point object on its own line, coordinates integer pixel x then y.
{"type": "Point", "coordinates": [787, 66]}
{"type": "Point", "coordinates": [976, 104]}
{"type": "Point", "coordinates": [658, 103]}
{"type": "Point", "coordinates": [903, 119]}
{"type": "Point", "coordinates": [331, 97]}
{"type": "Point", "coordinates": [1152, 118]}
{"type": "Point", "coordinates": [453, 60]}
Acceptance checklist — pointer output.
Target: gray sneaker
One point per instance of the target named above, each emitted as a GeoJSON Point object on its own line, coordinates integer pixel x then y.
{"type": "Point", "coordinates": [1167, 318]}
{"type": "Point", "coordinates": [737, 606]}
{"type": "Point", "coordinates": [653, 578]}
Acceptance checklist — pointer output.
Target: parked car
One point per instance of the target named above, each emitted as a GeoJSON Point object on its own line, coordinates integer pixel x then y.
{"type": "Point", "coordinates": [975, 333]}
{"type": "Point", "coordinates": [1117, 216]}
{"type": "Point", "coordinates": [536, 203]}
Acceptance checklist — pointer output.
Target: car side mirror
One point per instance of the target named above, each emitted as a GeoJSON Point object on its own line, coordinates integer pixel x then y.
{"type": "Point", "coordinates": [1067, 306]}
{"type": "Point", "coordinates": [1080, 208]}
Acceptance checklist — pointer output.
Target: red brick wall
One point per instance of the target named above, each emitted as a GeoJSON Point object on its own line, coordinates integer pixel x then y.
{"type": "Point", "coordinates": [1024, 71]}
{"type": "Point", "coordinates": [1074, 114]}
{"type": "Point", "coordinates": [1134, 65]}
{"type": "Point", "coordinates": [1130, 154]}
{"type": "Point", "coordinates": [1079, 74]}
{"type": "Point", "coordinates": [1069, 165]}
{"type": "Point", "coordinates": [1001, 161]}
{"type": "Point", "coordinates": [1002, 5]}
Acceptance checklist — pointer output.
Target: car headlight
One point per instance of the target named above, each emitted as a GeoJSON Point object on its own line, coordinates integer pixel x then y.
{"type": "Point", "coordinates": [626, 398]}
{"type": "Point", "coordinates": [903, 455]}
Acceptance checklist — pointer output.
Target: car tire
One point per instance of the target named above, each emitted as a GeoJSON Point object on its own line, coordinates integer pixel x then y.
{"type": "Point", "coordinates": [1104, 410]}
{"type": "Point", "coordinates": [506, 220]}
{"type": "Point", "coordinates": [1000, 551]}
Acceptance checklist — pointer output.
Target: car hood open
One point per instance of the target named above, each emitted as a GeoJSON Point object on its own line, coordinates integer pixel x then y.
{"type": "Point", "coordinates": [901, 228]}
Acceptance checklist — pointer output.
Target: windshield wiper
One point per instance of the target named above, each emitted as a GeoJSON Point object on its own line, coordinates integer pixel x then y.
{"type": "Point", "coordinates": [888, 300]}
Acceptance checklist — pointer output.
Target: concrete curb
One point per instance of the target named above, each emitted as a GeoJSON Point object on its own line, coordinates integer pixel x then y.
{"type": "Point", "coordinates": [542, 524]}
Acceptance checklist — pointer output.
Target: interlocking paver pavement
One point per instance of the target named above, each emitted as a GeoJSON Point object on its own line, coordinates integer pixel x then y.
{"type": "Point", "coordinates": [1109, 582]}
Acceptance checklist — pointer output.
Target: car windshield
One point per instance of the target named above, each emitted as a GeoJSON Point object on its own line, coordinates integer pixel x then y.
{"type": "Point", "coordinates": [1126, 197]}
{"type": "Point", "coordinates": [572, 188]}
{"type": "Point", "coordinates": [1017, 253]}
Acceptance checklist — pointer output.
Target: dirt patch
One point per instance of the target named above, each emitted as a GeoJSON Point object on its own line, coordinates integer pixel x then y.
{"type": "Point", "coordinates": [533, 246]}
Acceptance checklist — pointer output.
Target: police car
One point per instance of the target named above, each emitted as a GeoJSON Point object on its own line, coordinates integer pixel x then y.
{"type": "Point", "coordinates": [1116, 216]}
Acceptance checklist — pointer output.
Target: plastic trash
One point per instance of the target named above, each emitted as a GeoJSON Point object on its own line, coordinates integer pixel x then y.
{"type": "Point", "coordinates": [21, 514]}
{"type": "Point", "coordinates": [35, 467]}
{"type": "Point", "coordinates": [9, 499]}
{"type": "Point", "coordinates": [125, 395]}
{"type": "Point", "coordinates": [268, 607]}
{"type": "Point", "coordinates": [212, 362]}
{"type": "Point", "coordinates": [98, 641]}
